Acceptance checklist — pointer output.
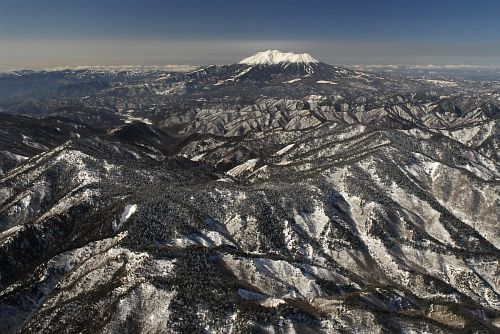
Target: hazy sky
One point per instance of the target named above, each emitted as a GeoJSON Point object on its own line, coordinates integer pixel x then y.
{"type": "Point", "coordinates": [37, 33]}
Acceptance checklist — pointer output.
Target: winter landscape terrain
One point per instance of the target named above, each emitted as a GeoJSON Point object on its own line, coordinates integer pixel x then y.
{"type": "Point", "coordinates": [277, 194]}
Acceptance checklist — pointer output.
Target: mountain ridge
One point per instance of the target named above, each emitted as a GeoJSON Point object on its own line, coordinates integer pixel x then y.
{"type": "Point", "coordinates": [249, 198]}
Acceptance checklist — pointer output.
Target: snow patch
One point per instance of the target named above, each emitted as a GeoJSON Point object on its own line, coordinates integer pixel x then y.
{"type": "Point", "coordinates": [245, 71]}
{"type": "Point", "coordinates": [131, 119]}
{"type": "Point", "coordinates": [249, 164]}
{"type": "Point", "coordinates": [285, 149]}
{"type": "Point", "coordinates": [326, 82]}
{"type": "Point", "coordinates": [442, 83]}
{"type": "Point", "coordinates": [127, 212]}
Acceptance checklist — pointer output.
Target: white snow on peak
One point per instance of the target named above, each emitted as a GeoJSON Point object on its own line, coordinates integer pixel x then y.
{"type": "Point", "coordinates": [272, 57]}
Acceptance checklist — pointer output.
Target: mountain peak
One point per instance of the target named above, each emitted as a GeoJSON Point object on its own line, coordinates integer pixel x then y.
{"type": "Point", "coordinates": [273, 57]}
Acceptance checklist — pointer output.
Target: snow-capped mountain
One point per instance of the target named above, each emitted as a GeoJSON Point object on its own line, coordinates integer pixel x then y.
{"type": "Point", "coordinates": [275, 57]}
{"type": "Point", "coordinates": [277, 195]}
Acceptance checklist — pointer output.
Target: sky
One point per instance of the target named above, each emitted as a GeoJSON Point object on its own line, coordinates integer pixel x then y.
{"type": "Point", "coordinates": [46, 33]}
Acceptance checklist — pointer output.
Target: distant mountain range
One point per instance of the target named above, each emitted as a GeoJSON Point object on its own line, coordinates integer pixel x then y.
{"type": "Point", "coordinates": [278, 194]}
